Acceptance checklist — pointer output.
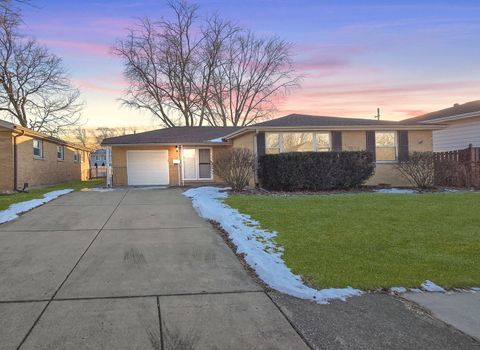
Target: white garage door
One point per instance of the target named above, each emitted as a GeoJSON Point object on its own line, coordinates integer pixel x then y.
{"type": "Point", "coordinates": [147, 167]}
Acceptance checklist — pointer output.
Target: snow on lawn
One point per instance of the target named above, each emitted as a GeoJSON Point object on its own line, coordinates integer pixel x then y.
{"type": "Point", "coordinates": [429, 286]}
{"type": "Point", "coordinates": [260, 252]}
{"type": "Point", "coordinates": [396, 190]}
{"type": "Point", "coordinates": [18, 208]}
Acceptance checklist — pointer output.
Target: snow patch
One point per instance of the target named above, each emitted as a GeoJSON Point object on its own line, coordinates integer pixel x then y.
{"type": "Point", "coordinates": [396, 190]}
{"type": "Point", "coordinates": [218, 139]}
{"type": "Point", "coordinates": [261, 253]}
{"type": "Point", "coordinates": [18, 208]}
{"type": "Point", "coordinates": [398, 290]}
{"type": "Point", "coordinates": [429, 286]}
{"type": "Point", "coordinates": [97, 189]}
{"type": "Point", "coordinates": [149, 188]}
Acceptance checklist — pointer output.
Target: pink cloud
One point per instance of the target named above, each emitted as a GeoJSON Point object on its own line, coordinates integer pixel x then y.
{"type": "Point", "coordinates": [79, 46]}
{"type": "Point", "coordinates": [118, 88]}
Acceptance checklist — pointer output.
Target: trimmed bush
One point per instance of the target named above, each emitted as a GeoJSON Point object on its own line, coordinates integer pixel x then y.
{"type": "Point", "coordinates": [315, 171]}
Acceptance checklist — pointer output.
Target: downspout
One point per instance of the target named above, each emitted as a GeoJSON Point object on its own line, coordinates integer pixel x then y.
{"type": "Point", "coordinates": [178, 165]}
{"type": "Point", "coordinates": [255, 153]}
{"type": "Point", "coordinates": [181, 165]}
{"type": "Point", "coordinates": [15, 160]}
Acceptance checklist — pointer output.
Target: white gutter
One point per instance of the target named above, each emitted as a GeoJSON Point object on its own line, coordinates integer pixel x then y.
{"type": "Point", "coordinates": [392, 127]}
{"type": "Point", "coordinates": [452, 117]}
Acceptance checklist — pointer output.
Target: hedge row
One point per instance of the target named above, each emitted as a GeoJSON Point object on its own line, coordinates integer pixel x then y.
{"type": "Point", "coordinates": [314, 171]}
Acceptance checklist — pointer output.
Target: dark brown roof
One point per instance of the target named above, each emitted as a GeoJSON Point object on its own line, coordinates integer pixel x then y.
{"type": "Point", "coordinates": [313, 120]}
{"type": "Point", "coordinates": [175, 135]}
{"type": "Point", "coordinates": [469, 107]}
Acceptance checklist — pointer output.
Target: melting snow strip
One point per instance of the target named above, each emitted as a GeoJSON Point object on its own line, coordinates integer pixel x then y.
{"type": "Point", "coordinates": [260, 252]}
{"type": "Point", "coordinates": [18, 208]}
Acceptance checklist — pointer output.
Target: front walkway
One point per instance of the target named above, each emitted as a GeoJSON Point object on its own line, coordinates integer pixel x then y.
{"type": "Point", "coordinates": [129, 269]}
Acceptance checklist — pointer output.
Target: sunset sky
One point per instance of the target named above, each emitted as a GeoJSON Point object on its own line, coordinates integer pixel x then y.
{"type": "Point", "coordinates": [407, 57]}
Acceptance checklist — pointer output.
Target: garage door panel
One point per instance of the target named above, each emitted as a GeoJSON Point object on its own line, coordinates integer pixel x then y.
{"type": "Point", "coordinates": [147, 167]}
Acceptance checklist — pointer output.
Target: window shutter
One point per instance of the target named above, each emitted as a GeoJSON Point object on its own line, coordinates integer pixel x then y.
{"type": "Point", "coordinates": [371, 142]}
{"type": "Point", "coordinates": [336, 141]}
{"type": "Point", "coordinates": [260, 144]}
{"type": "Point", "coordinates": [402, 145]}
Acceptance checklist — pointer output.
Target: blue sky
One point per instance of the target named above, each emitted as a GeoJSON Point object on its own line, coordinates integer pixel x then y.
{"type": "Point", "coordinates": [406, 57]}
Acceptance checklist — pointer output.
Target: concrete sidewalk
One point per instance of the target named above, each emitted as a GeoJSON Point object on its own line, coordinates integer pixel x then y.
{"type": "Point", "coordinates": [129, 270]}
{"type": "Point", "coordinates": [459, 309]}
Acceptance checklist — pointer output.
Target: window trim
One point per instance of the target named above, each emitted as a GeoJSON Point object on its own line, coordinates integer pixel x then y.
{"type": "Point", "coordinates": [395, 138]}
{"type": "Point", "coordinates": [40, 143]}
{"type": "Point", "coordinates": [197, 164]}
{"type": "Point", "coordinates": [62, 148]}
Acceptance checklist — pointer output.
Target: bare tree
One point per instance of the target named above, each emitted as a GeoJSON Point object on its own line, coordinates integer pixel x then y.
{"type": "Point", "coordinates": [188, 71]}
{"type": "Point", "coordinates": [80, 135]}
{"type": "Point", "coordinates": [34, 88]}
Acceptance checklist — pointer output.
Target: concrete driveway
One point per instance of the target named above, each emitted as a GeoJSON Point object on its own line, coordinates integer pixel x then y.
{"type": "Point", "coordinates": [129, 269]}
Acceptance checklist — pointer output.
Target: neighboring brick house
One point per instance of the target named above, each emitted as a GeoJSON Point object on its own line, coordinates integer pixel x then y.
{"type": "Point", "coordinates": [183, 155]}
{"type": "Point", "coordinates": [36, 159]}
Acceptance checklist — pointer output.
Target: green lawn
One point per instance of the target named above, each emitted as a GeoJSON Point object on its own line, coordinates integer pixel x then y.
{"type": "Point", "coordinates": [7, 199]}
{"type": "Point", "coordinates": [374, 240]}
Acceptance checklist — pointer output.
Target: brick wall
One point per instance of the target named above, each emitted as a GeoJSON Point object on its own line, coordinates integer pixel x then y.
{"type": "Point", "coordinates": [48, 170]}
{"type": "Point", "coordinates": [6, 161]}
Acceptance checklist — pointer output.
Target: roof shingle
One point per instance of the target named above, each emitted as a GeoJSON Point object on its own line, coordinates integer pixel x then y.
{"type": "Point", "coordinates": [312, 120]}
{"type": "Point", "coordinates": [469, 107]}
{"type": "Point", "coordinates": [175, 135]}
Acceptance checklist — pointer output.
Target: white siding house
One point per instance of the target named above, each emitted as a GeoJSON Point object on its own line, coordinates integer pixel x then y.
{"type": "Point", "coordinates": [461, 126]}
{"type": "Point", "coordinates": [459, 134]}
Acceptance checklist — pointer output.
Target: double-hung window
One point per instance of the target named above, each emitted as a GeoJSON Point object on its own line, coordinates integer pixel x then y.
{"type": "Point", "coordinates": [75, 157]}
{"type": "Point", "coordinates": [60, 152]}
{"type": "Point", "coordinates": [385, 146]}
{"type": "Point", "coordinates": [297, 142]}
{"type": "Point", "coordinates": [197, 163]}
{"type": "Point", "coordinates": [37, 148]}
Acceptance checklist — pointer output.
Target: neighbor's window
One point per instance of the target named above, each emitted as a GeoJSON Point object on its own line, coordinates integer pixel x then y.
{"type": "Point", "coordinates": [37, 148]}
{"type": "Point", "coordinates": [297, 142]}
{"type": "Point", "coordinates": [385, 146]}
{"type": "Point", "coordinates": [60, 152]}
{"type": "Point", "coordinates": [272, 143]}
{"type": "Point", "coordinates": [322, 141]}
{"type": "Point", "coordinates": [75, 157]}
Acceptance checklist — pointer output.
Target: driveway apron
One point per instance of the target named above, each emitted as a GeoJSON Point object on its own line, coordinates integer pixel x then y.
{"type": "Point", "coordinates": [129, 269]}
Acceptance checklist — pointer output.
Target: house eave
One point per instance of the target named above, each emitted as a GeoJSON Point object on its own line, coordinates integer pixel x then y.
{"type": "Point", "coordinates": [29, 132]}
{"type": "Point", "coordinates": [452, 118]}
{"type": "Point", "coordinates": [168, 144]}
{"type": "Point", "coordinates": [336, 128]}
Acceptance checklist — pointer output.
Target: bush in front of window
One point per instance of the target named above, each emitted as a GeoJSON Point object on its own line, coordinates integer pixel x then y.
{"type": "Point", "coordinates": [235, 166]}
{"type": "Point", "coordinates": [315, 171]}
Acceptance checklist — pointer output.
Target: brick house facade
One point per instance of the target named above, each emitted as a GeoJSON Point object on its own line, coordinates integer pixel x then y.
{"type": "Point", "coordinates": [36, 159]}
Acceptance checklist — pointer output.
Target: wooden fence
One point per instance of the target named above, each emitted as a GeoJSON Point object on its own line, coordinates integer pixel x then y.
{"type": "Point", "coordinates": [460, 168]}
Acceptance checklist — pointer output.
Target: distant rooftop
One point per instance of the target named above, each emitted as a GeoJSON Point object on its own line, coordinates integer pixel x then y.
{"type": "Point", "coordinates": [456, 109]}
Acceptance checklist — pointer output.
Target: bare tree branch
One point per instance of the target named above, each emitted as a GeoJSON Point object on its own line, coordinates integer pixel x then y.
{"type": "Point", "coordinates": [34, 88]}
{"type": "Point", "coordinates": [189, 71]}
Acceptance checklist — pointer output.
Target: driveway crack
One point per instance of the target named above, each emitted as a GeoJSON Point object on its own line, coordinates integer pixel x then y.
{"type": "Point", "coordinates": [68, 275]}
